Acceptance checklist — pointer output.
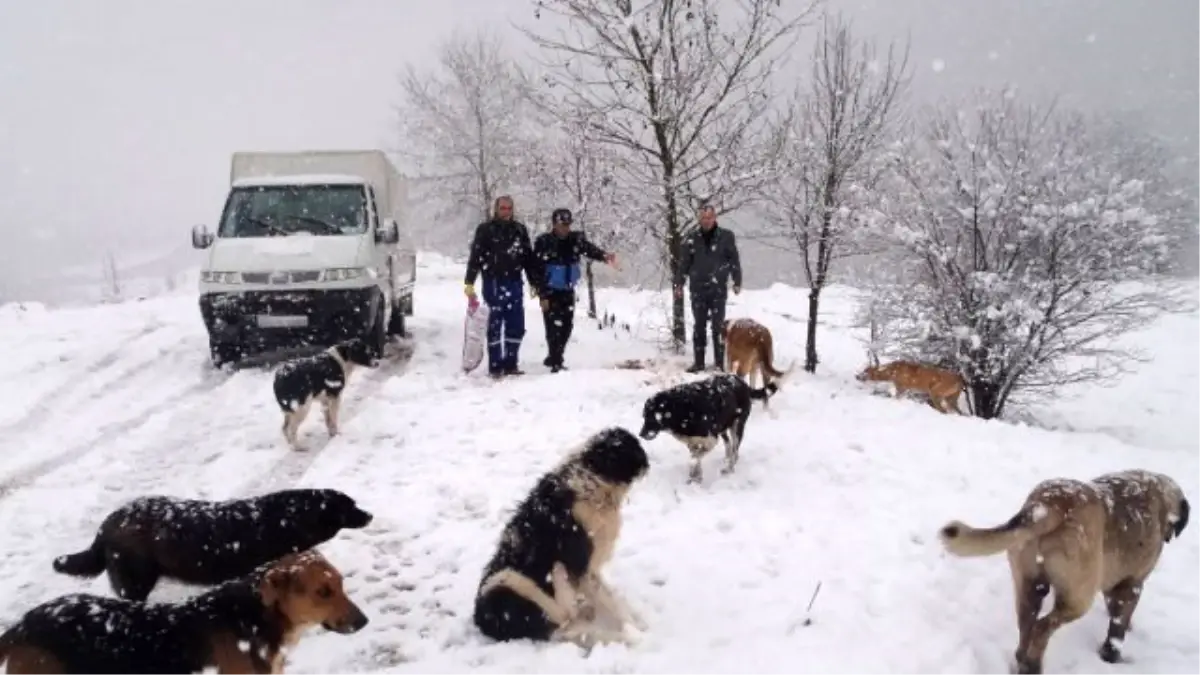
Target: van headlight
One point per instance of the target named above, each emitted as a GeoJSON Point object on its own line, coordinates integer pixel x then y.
{"type": "Point", "coordinates": [344, 273]}
{"type": "Point", "coordinates": [221, 277]}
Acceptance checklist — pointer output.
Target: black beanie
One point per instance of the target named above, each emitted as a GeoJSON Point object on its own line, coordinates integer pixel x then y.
{"type": "Point", "coordinates": [561, 217]}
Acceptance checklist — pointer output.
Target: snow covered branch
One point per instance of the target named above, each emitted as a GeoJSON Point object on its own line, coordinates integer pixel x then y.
{"type": "Point", "coordinates": [468, 125]}
{"type": "Point", "coordinates": [835, 135]}
{"type": "Point", "coordinates": [681, 93]}
{"type": "Point", "coordinates": [1027, 249]}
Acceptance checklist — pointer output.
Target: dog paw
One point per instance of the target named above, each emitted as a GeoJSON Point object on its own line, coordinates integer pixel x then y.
{"type": "Point", "coordinates": [1110, 653]}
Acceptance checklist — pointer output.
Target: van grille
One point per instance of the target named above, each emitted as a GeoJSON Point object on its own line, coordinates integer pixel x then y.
{"type": "Point", "coordinates": [281, 277]}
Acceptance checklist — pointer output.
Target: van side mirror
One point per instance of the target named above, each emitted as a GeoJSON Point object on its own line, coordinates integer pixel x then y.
{"type": "Point", "coordinates": [201, 237]}
{"type": "Point", "coordinates": [388, 232]}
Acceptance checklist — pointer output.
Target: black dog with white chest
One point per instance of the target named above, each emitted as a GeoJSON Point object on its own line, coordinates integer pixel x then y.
{"type": "Point", "coordinates": [548, 565]}
{"type": "Point", "coordinates": [321, 377]}
{"type": "Point", "coordinates": [203, 542]}
{"type": "Point", "coordinates": [697, 413]}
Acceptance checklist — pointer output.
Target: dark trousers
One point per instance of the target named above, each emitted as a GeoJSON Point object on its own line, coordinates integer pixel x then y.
{"type": "Point", "coordinates": [506, 322]}
{"type": "Point", "coordinates": [708, 309]}
{"type": "Point", "coordinates": [559, 316]}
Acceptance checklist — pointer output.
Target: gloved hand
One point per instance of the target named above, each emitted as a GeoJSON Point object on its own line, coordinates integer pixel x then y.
{"type": "Point", "coordinates": [533, 292]}
{"type": "Point", "coordinates": [545, 305]}
{"type": "Point", "coordinates": [737, 290]}
{"type": "Point", "coordinates": [469, 290]}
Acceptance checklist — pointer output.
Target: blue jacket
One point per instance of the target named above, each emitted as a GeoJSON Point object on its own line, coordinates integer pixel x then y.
{"type": "Point", "coordinates": [559, 257]}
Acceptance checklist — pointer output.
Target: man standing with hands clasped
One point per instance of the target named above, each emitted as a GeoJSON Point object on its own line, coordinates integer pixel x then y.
{"type": "Point", "coordinates": [500, 251]}
{"type": "Point", "coordinates": [559, 251]}
{"type": "Point", "coordinates": [709, 258]}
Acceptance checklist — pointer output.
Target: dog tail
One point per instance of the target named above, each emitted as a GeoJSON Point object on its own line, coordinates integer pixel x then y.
{"type": "Point", "coordinates": [768, 361]}
{"type": "Point", "coordinates": [87, 563]}
{"type": "Point", "coordinates": [965, 541]}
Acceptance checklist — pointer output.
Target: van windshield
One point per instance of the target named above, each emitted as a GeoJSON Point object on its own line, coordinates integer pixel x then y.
{"type": "Point", "coordinates": [282, 210]}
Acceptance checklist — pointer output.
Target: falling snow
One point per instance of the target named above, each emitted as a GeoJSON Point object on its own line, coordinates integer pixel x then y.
{"type": "Point", "coordinates": [118, 400]}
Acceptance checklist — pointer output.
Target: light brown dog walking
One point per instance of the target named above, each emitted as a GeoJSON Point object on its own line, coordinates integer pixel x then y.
{"type": "Point", "coordinates": [1079, 538]}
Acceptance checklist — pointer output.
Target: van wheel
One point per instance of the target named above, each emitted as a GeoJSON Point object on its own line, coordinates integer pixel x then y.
{"type": "Point", "coordinates": [377, 337]}
{"type": "Point", "coordinates": [222, 353]}
{"type": "Point", "coordinates": [396, 323]}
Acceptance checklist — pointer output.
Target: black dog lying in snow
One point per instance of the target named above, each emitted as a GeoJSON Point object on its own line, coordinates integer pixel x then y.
{"type": "Point", "coordinates": [697, 413]}
{"type": "Point", "coordinates": [241, 626]}
{"type": "Point", "coordinates": [321, 377]}
{"type": "Point", "coordinates": [205, 543]}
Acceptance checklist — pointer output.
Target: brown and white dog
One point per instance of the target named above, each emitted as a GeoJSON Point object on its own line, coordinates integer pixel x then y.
{"type": "Point", "coordinates": [943, 387]}
{"type": "Point", "coordinates": [242, 626]}
{"type": "Point", "coordinates": [750, 349]}
{"type": "Point", "coordinates": [1079, 538]}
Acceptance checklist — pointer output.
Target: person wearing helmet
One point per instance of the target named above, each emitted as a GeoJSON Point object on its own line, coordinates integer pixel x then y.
{"type": "Point", "coordinates": [500, 251]}
{"type": "Point", "coordinates": [559, 252]}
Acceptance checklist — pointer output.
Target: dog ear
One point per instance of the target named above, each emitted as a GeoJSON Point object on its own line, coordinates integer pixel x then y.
{"type": "Point", "coordinates": [1181, 521]}
{"type": "Point", "coordinates": [274, 585]}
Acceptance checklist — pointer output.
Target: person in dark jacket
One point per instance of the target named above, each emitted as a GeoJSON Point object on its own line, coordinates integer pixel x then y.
{"type": "Point", "coordinates": [559, 251]}
{"type": "Point", "coordinates": [709, 259]}
{"type": "Point", "coordinates": [500, 251]}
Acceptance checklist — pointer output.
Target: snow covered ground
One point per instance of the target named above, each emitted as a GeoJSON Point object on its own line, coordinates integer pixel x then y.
{"type": "Point", "coordinates": [836, 486]}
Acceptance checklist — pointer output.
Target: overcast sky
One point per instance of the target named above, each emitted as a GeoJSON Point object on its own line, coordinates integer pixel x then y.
{"type": "Point", "coordinates": [117, 117]}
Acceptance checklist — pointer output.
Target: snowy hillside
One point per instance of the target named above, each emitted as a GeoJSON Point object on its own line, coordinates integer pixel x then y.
{"type": "Point", "coordinates": [834, 486]}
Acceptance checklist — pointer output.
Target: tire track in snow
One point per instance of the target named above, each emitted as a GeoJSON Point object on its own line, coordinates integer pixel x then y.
{"type": "Point", "coordinates": [47, 403]}
{"type": "Point", "coordinates": [290, 468]}
{"type": "Point", "coordinates": [106, 434]}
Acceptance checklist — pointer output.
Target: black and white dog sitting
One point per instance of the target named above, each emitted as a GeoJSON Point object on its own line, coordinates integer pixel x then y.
{"type": "Point", "coordinates": [697, 413]}
{"type": "Point", "coordinates": [320, 377]}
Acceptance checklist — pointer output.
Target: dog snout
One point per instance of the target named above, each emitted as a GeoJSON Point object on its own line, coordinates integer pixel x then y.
{"type": "Point", "coordinates": [351, 621]}
{"type": "Point", "coordinates": [648, 434]}
{"type": "Point", "coordinates": [359, 518]}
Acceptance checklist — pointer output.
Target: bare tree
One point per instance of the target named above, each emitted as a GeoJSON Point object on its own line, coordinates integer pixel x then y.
{"type": "Point", "coordinates": [1022, 236]}
{"type": "Point", "coordinates": [836, 130]}
{"type": "Point", "coordinates": [111, 284]}
{"type": "Point", "coordinates": [573, 170]}
{"type": "Point", "coordinates": [467, 126]}
{"type": "Point", "coordinates": [681, 92]}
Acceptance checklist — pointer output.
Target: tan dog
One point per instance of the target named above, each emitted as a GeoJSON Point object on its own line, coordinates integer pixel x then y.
{"type": "Point", "coordinates": [1079, 538]}
{"type": "Point", "coordinates": [943, 387]}
{"type": "Point", "coordinates": [749, 349]}
{"type": "Point", "coordinates": [242, 626]}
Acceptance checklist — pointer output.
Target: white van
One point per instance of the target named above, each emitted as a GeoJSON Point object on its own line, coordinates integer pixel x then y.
{"type": "Point", "coordinates": [312, 248]}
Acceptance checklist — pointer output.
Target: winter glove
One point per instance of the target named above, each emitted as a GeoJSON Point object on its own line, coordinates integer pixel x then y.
{"type": "Point", "coordinates": [469, 290]}
{"type": "Point", "coordinates": [545, 305]}
{"type": "Point", "coordinates": [737, 290]}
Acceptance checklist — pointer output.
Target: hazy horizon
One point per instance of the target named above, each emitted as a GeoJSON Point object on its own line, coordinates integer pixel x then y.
{"type": "Point", "coordinates": [118, 118]}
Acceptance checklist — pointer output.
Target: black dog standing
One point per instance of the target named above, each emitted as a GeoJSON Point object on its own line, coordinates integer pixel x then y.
{"type": "Point", "coordinates": [559, 251]}
{"type": "Point", "coordinates": [710, 258]}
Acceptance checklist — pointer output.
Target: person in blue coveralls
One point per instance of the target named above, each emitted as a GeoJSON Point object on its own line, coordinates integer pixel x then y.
{"type": "Point", "coordinates": [559, 251]}
{"type": "Point", "coordinates": [500, 251]}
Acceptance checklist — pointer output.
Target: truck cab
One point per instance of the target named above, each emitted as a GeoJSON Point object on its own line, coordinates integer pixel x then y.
{"type": "Point", "coordinates": [302, 259]}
